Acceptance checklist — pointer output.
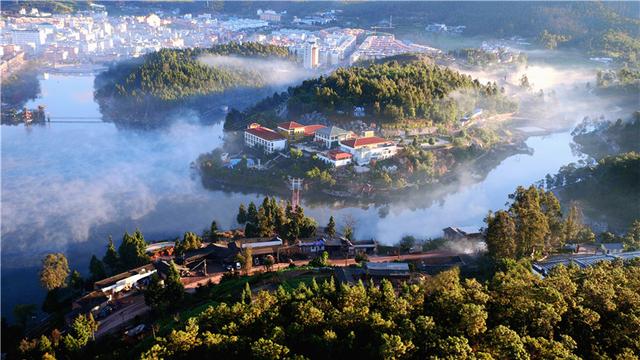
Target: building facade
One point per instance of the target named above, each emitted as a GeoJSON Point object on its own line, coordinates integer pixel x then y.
{"type": "Point", "coordinates": [311, 55]}
{"type": "Point", "coordinates": [335, 157]}
{"type": "Point", "coordinates": [260, 136]}
{"type": "Point", "coordinates": [331, 136]}
{"type": "Point", "coordinates": [366, 149]}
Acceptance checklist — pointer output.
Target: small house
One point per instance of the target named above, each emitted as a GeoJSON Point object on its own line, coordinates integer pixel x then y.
{"type": "Point", "coordinates": [335, 157]}
{"type": "Point", "coordinates": [612, 248]}
{"type": "Point", "coordinates": [368, 247]}
{"type": "Point", "coordinates": [387, 270]}
{"type": "Point", "coordinates": [311, 248]}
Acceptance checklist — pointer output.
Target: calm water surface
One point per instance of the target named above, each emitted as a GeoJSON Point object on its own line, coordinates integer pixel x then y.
{"type": "Point", "coordinates": [67, 186]}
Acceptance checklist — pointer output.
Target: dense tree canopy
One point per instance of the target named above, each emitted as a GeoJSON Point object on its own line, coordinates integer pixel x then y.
{"type": "Point", "coordinates": [606, 190]}
{"type": "Point", "coordinates": [273, 218]}
{"type": "Point", "coordinates": [54, 272]}
{"type": "Point", "coordinates": [190, 241]}
{"type": "Point", "coordinates": [133, 250]}
{"type": "Point", "coordinates": [516, 315]}
{"type": "Point", "coordinates": [174, 74]}
{"type": "Point", "coordinates": [532, 225]}
{"type": "Point", "coordinates": [397, 90]}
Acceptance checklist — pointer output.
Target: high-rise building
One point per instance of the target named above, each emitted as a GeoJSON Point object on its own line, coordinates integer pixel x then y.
{"type": "Point", "coordinates": [24, 37]}
{"type": "Point", "coordinates": [311, 55]}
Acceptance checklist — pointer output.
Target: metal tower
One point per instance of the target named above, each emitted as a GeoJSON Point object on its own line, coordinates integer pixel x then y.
{"type": "Point", "coordinates": [295, 184]}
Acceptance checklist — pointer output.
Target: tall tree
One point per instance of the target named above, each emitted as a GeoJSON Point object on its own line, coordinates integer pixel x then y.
{"type": "Point", "coordinates": [54, 272]}
{"type": "Point", "coordinates": [572, 224]}
{"type": "Point", "coordinates": [632, 237]}
{"type": "Point", "coordinates": [154, 295]}
{"type": "Point", "coordinates": [279, 218]}
{"type": "Point", "coordinates": [252, 213]}
{"type": "Point", "coordinates": [501, 235]}
{"type": "Point", "coordinates": [331, 227]}
{"type": "Point", "coordinates": [532, 227]}
{"type": "Point", "coordinates": [213, 232]}
{"type": "Point", "coordinates": [248, 260]}
{"type": "Point", "coordinates": [133, 250]}
{"type": "Point", "coordinates": [174, 289]}
{"type": "Point", "coordinates": [292, 227]}
{"type": "Point", "coordinates": [190, 241]}
{"type": "Point", "coordinates": [82, 330]}
{"type": "Point", "coordinates": [111, 257]}
{"type": "Point", "coordinates": [96, 268]}
{"type": "Point", "coordinates": [242, 216]}
{"type": "Point", "coordinates": [553, 212]}
{"type": "Point", "coordinates": [76, 281]}
{"type": "Point", "coordinates": [265, 226]}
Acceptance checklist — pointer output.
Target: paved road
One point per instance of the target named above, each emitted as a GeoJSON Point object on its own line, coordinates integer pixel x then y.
{"type": "Point", "coordinates": [134, 306]}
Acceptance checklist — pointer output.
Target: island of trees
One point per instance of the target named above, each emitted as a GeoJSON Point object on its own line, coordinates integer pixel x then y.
{"type": "Point", "coordinates": [168, 78]}
{"type": "Point", "coordinates": [398, 88]}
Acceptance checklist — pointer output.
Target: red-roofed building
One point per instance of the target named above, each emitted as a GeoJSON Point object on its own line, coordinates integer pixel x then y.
{"type": "Point", "coordinates": [257, 135]}
{"type": "Point", "coordinates": [369, 142]}
{"type": "Point", "coordinates": [310, 130]}
{"type": "Point", "coordinates": [291, 129]}
{"type": "Point", "coordinates": [295, 131]}
{"type": "Point", "coordinates": [365, 149]}
{"type": "Point", "coordinates": [336, 157]}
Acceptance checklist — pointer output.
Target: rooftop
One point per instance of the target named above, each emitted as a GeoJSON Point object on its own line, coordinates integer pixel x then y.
{"type": "Point", "coordinates": [582, 261]}
{"type": "Point", "coordinates": [359, 142]}
{"type": "Point", "coordinates": [310, 130]}
{"type": "Point", "coordinates": [115, 278]}
{"type": "Point", "coordinates": [331, 131]}
{"type": "Point", "coordinates": [387, 266]}
{"type": "Point", "coordinates": [264, 133]}
{"type": "Point", "coordinates": [290, 125]}
{"type": "Point", "coordinates": [336, 154]}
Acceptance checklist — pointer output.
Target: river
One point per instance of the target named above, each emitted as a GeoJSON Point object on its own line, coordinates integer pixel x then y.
{"type": "Point", "coordinates": [67, 186]}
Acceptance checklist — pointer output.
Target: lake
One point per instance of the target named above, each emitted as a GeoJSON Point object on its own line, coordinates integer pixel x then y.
{"type": "Point", "coordinates": [67, 186]}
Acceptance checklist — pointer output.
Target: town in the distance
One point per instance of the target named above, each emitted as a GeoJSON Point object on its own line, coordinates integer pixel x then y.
{"type": "Point", "coordinates": [320, 180]}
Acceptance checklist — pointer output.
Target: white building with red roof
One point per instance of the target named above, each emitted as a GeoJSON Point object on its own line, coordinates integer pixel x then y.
{"type": "Point", "coordinates": [257, 135]}
{"type": "Point", "coordinates": [335, 157]}
{"type": "Point", "coordinates": [369, 148]}
{"type": "Point", "coordinates": [295, 131]}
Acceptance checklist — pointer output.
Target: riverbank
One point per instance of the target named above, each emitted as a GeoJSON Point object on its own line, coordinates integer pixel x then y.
{"type": "Point", "coordinates": [378, 185]}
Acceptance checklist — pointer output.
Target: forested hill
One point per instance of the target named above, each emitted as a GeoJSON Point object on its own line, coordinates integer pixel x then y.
{"type": "Point", "coordinates": [608, 191]}
{"type": "Point", "coordinates": [174, 74]}
{"type": "Point", "coordinates": [394, 91]}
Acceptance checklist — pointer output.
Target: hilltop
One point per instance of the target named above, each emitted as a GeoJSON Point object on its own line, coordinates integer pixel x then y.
{"type": "Point", "coordinates": [166, 79]}
{"type": "Point", "coordinates": [405, 88]}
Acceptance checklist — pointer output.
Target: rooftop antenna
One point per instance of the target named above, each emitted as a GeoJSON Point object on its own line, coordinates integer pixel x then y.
{"type": "Point", "coordinates": [295, 184]}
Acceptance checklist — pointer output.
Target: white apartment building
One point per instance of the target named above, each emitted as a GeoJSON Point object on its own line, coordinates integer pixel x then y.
{"type": "Point", "coordinates": [36, 38]}
{"type": "Point", "coordinates": [269, 15]}
{"type": "Point", "coordinates": [260, 136]}
{"type": "Point", "coordinates": [311, 55]}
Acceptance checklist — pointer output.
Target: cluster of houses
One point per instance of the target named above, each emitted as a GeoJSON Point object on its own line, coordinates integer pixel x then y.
{"type": "Point", "coordinates": [278, 249]}
{"type": "Point", "coordinates": [331, 144]}
{"type": "Point", "coordinates": [543, 268]}
{"type": "Point", "coordinates": [109, 291]}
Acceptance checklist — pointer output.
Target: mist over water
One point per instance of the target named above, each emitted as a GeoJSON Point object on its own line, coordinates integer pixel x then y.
{"type": "Point", "coordinates": [275, 72]}
{"type": "Point", "coordinates": [68, 186]}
